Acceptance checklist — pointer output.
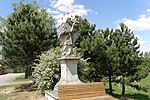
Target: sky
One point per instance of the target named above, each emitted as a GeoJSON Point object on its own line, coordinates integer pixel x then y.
{"type": "Point", "coordinates": [104, 13]}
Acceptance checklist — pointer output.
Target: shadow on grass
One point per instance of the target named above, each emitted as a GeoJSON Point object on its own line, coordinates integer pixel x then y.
{"type": "Point", "coordinates": [25, 87]}
{"type": "Point", "coordinates": [107, 90]}
{"type": "Point", "coordinates": [138, 96]}
{"type": "Point", "coordinates": [135, 96]}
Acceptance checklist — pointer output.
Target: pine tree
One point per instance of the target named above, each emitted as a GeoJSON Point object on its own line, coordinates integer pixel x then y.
{"type": "Point", "coordinates": [129, 54]}
{"type": "Point", "coordinates": [28, 31]}
{"type": "Point", "coordinates": [85, 30]}
{"type": "Point", "coordinates": [92, 49]}
{"type": "Point", "coordinates": [112, 54]}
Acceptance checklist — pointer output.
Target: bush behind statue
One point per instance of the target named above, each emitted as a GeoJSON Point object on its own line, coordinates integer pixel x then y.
{"type": "Point", "coordinates": [47, 71]}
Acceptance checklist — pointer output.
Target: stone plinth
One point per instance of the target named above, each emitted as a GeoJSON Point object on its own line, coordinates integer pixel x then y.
{"type": "Point", "coordinates": [51, 95]}
{"type": "Point", "coordinates": [69, 75]}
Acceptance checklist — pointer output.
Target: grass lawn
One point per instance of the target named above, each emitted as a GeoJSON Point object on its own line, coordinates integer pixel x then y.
{"type": "Point", "coordinates": [130, 92]}
{"type": "Point", "coordinates": [21, 79]}
{"type": "Point", "coordinates": [19, 92]}
{"type": "Point", "coordinates": [27, 92]}
{"type": "Point", "coordinates": [145, 81]}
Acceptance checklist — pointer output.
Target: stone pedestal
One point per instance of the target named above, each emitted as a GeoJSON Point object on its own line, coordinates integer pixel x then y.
{"type": "Point", "coordinates": [69, 75]}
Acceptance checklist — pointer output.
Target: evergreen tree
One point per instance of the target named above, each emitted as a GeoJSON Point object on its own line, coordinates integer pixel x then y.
{"type": "Point", "coordinates": [100, 50]}
{"type": "Point", "coordinates": [112, 54]}
{"type": "Point", "coordinates": [85, 30]}
{"type": "Point", "coordinates": [28, 31]}
{"type": "Point", "coordinates": [128, 53]}
{"type": "Point", "coordinates": [143, 68]}
{"type": "Point", "coordinates": [92, 49]}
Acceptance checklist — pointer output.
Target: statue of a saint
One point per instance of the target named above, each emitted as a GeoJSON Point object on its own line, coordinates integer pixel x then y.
{"type": "Point", "coordinates": [68, 35]}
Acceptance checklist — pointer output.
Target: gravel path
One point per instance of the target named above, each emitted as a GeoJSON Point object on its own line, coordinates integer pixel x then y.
{"type": "Point", "coordinates": [6, 79]}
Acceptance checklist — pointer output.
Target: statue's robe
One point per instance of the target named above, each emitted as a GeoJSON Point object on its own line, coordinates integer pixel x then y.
{"type": "Point", "coordinates": [67, 36]}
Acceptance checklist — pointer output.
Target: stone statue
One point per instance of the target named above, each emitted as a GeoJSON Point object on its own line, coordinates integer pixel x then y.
{"type": "Point", "coordinates": [68, 62]}
{"type": "Point", "coordinates": [68, 35]}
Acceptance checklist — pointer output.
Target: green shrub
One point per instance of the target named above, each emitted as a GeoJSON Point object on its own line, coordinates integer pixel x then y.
{"type": "Point", "coordinates": [47, 72]}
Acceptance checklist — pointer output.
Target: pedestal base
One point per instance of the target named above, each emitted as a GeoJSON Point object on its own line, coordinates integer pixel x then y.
{"type": "Point", "coordinates": [69, 75]}
{"type": "Point", "coordinates": [51, 95]}
{"type": "Point", "coordinates": [106, 97]}
{"type": "Point", "coordinates": [85, 91]}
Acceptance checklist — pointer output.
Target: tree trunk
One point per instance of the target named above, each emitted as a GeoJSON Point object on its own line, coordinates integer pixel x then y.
{"type": "Point", "coordinates": [27, 72]}
{"type": "Point", "coordinates": [123, 86]}
{"type": "Point", "coordinates": [110, 83]}
{"type": "Point", "coordinates": [30, 71]}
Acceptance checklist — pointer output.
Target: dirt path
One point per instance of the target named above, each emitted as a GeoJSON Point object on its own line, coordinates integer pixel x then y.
{"type": "Point", "coordinates": [7, 79]}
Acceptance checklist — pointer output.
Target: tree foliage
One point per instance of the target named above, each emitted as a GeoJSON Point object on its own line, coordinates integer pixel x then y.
{"type": "Point", "coordinates": [129, 55]}
{"type": "Point", "coordinates": [143, 68]}
{"type": "Point", "coordinates": [47, 71]}
{"type": "Point", "coordinates": [92, 49]}
{"type": "Point", "coordinates": [100, 51]}
{"type": "Point", "coordinates": [85, 30]}
{"type": "Point", "coordinates": [28, 31]}
{"type": "Point", "coordinates": [112, 54]}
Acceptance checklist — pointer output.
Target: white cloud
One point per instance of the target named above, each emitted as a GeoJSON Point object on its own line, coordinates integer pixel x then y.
{"type": "Point", "coordinates": [53, 11]}
{"type": "Point", "coordinates": [139, 24]}
{"type": "Point", "coordinates": [142, 23]}
{"type": "Point", "coordinates": [57, 3]}
{"type": "Point", "coordinates": [144, 45]}
{"type": "Point", "coordinates": [63, 9]}
{"type": "Point", "coordinates": [148, 10]}
{"type": "Point", "coordinates": [96, 12]}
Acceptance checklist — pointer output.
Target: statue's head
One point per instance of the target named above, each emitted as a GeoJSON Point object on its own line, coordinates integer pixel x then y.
{"type": "Point", "coordinates": [68, 19]}
{"type": "Point", "coordinates": [76, 16]}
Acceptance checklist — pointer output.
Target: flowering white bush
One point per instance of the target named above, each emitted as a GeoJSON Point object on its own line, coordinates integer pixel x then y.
{"type": "Point", "coordinates": [47, 72]}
